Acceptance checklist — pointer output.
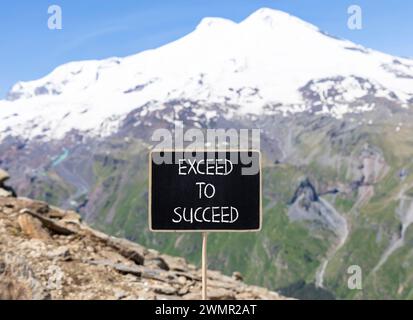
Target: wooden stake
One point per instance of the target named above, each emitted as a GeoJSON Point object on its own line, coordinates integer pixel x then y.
{"type": "Point", "coordinates": [204, 265]}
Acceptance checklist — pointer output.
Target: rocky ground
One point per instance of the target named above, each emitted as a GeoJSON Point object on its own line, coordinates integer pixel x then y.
{"type": "Point", "coordinates": [49, 253]}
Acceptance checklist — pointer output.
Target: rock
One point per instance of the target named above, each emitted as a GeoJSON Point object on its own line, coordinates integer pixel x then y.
{"type": "Point", "coordinates": [156, 262]}
{"type": "Point", "coordinates": [55, 277]}
{"type": "Point", "coordinates": [56, 213]}
{"type": "Point", "coordinates": [182, 280]}
{"type": "Point", "coordinates": [220, 294]}
{"type": "Point", "coordinates": [127, 249]}
{"type": "Point", "coordinates": [309, 192]}
{"type": "Point", "coordinates": [8, 204]}
{"type": "Point", "coordinates": [246, 296]}
{"type": "Point", "coordinates": [39, 207]}
{"type": "Point", "coordinates": [113, 256]}
{"type": "Point", "coordinates": [216, 283]}
{"type": "Point", "coordinates": [34, 248]}
{"type": "Point", "coordinates": [166, 297]}
{"type": "Point", "coordinates": [164, 289]}
{"type": "Point", "coordinates": [183, 291]}
{"type": "Point", "coordinates": [53, 254]}
{"type": "Point", "coordinates": [4, 176]}
{"type": "Point", "coordinates": [175, 263]}
{"type": "Point", "coordinates": [187, 275]}
{"type": "Point", "coordinates": [191, 267]}
{"type": "Point", "coordinates": [120, 294]}
{"type": "Point", "coordinates": [237, 276]}
{"type": "Point", "coordinates": [123, 269]}
{"type": "Point", "coordinates": [13, 290]}
{"type": "Point", "coordinates": [192, 296]}
{"type": "Point", "coordinates": [72, 216]}
{"type": "Point", "coordinates": [5, 193]}
{"type": "Point", "coordinates": [50, 224]}
{"type": "Point", "coordinates": [32, 227]}
{"type": "Point", "coordinates": [10, 190]}
{"type": "Point", "coordinates": [19, 282]}
{"type": "Point", "coordinates": [60, 253]}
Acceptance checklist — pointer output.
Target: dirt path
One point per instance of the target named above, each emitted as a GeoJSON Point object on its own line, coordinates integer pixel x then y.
{"type": "Point", "coordinates": [342, 233]}
{"type": "Point", "coordinates": [406, 219]}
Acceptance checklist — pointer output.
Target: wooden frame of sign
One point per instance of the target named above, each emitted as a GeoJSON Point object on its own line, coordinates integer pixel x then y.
{"type": "Point", "coordinates": [258, 199]}
{"type": "Point", "coordinates": [195, 182]}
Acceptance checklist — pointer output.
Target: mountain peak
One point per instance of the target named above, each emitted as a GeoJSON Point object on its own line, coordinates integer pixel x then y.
{"type": "Point", "coordinates": [214, 22]}
{"type": "Point", "coordinates": [264, 16]}
{"type": "Point", "coordinates": [270, 13]}
{"type": "Point", "coordinates": [275, 18]}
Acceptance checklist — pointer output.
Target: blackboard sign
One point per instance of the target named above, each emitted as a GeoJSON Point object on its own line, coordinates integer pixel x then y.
{"type": "Point", "coordinates": [205, 191]}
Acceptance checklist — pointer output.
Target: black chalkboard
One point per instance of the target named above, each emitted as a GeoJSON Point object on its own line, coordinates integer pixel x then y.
{"type": "Point", "coordinates": [205, 191]}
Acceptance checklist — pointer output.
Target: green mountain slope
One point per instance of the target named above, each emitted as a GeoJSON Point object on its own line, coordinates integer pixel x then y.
{"type": "Point", "coordinates": [340, 193]}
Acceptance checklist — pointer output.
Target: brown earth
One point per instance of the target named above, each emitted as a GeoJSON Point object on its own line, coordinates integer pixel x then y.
{"type": "Point", "coordinates": [49, 253]}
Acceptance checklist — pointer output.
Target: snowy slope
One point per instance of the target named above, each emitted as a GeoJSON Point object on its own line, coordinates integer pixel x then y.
{"type": "Point", "coordinates": [270, 58]}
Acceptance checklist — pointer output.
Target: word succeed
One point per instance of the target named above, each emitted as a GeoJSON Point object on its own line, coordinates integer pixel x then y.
{"type": "Point", "coordinates": [209, 192]}
{"type": "Point", "coordinates": [208, 214]}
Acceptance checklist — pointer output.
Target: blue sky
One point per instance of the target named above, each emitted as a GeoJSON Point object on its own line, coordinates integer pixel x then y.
{"type": "Point", "coordinates": [95, 29]}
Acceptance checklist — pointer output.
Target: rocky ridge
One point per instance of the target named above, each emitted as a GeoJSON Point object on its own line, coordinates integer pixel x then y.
{"type": "Point", "coordinates": [49, 253]}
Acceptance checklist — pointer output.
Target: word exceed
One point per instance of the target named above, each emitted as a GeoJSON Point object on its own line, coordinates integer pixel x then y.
{"type": "Point", "coordinates": [209, 167]}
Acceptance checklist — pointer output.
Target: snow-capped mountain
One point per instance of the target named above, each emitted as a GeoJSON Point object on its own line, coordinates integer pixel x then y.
{"type": "Point", "coordinates": [270, 62]}
{"type": "Point", "coordinates": [336, 121]}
